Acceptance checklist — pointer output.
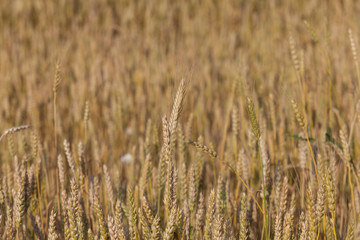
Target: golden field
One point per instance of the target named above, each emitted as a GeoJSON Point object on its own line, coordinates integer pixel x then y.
{"type": "Point", "coordinates": [179, 119]}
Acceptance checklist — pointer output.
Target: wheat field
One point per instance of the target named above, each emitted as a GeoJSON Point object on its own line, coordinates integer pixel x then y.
{"type": "Point", "coordinates": [161, 119]}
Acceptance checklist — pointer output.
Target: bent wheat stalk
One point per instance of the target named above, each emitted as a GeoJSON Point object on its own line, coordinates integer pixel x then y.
{"type": "Point", "coordinates": [13, 130]}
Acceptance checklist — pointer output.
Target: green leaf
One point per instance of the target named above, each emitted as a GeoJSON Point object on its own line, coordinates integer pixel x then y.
{"type": "Point", "coordinates": [297, 137]}
{"type": "Point", "coordinates": [329, 138]}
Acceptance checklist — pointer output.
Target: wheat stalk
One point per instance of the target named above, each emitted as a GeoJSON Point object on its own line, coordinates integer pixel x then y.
{"type": "Point", "coordinates": [14, 130]}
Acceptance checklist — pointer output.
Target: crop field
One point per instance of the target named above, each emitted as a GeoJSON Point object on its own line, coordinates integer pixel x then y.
{"type": "Point", "coordinates": [160, 119]}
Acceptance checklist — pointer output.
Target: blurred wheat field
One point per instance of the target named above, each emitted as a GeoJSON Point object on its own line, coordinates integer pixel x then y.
{"type": "Point", "coordinates": [179, 119]}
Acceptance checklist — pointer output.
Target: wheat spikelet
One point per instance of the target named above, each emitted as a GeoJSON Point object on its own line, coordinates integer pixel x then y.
{"type": "Point", "coordinates": [34, 144]}
{"type": "Point", "coordinates": [332, 168]}
{"type": "Point", "coordinates": [345, 145]}
{"type": "Point", "coordinates": [253, 120]}
{"type": "Point", "coordinates": [294, 56]}
{"type": "Point", "coordinates": [350, 230]}
{"type": "Point", "coordinates": [311, 31]}
{"type": "Point", "coordinates": [193, 188]}
{"type": "Point", "coordinates": [320, 201]}
{"type": "Point", "coordinates": [145, 177]}
{"type": "Point", "coordinates": [100, 218]}
{"type": "Point", "coordinates": [11, 144]}
{"type": "Point", "coordinates": [52, 235]}
{"type": "Point", "coordinates": [67, 233]}
{"type": "Point", "coordinates": [81, 157]}
{"type": "Point", "coordinates": [244, 222]}
{"type": "Point", "coordinates": [299, 116]}
{"type": "Point", "coordinates": [147, 210]}
{"type": "Point", "coordinates": [35, 222]}
{"type": "Point", "coordinates": [235, 121]}
{"type": "Point", "coordinates": [329, 231]}
{"type": "Point", "coordinates": [28, 181]}
{"type": "Point", "coordinates": [61, 172]}
{"type": "Point", "coordinates": [330, 193]}
{"type": "Point", "coordinates": [181, 144]}
{"type": "Point", "coordinates": [302, 64]}
{"type": "Point", "coordinates": [200, 214]}
{"type": "Point", "coordinates": [204, 148]}
{"type": "Point", "coordinates": [119, 220]}
{"type": "Point", "coordinates": [20, 200]}
{"type": "Point", "coordinates": [303, 227]}
{"type": "Point", "coordinates": [289, 219]}
{"type": "Point", "coordinates": [284, 196]}
{"type": "Point", "coordinates": [145, 227]}
{"type": "Point", "coordinates": [112, 228]}
{"type": "Point", "coordinates": [278, 227]}
{"type": "Point", "coordinates": [9, 226]}
{"type": "Point", "coordinates": [171, 224]}
{"type": "Point", "coordinates": [311, 214]}
{"type": "Point", "coordinates": [132, 215]}
{"type": "Point", "coordinates": [36, 225]}
{"type": "Point", "coordinates": [170, 191]}
{"type": "Point", "coordinates": [176, 110]}
{"type": "Point", "coordinates": [86, 117]}
{"type": "Point", "coordinates": [183, 182]}
{"type": "Point", "coordinates": [63, 198]}
{"type": "Point", "coordinates": [228, 231]}
{"type": "Point", "coordinates": [282, 202]}
{"type": "Point", "coordinates": [14, 130]}
{"type": "Point", "coordinates": [221, 197]}
{"type": "Point", "coordinates": [353, 45]}
{"type": "Point", "coordinates": [91, 235]}
{"type": "Point", "coordinates": [155, 229]}
{"type": "Point", "coordinates": [57, 78]}
{"type": "Point", "coordinates": [56, 84]}
{"type": "Point", "coordinates": [164, 155]}
{"type": "Point", "coordinates": [278, 190]}
{"type": "Point", "coordinates": [71, 215]}
{"type": "Point", "coordinates": [218, 233]}
{"type": "Point", "coordinates": [338, 151]}
{"type": "Point", "coordinates": [78, 209]}
{"type": "Point", "coordinates": [69, 156]}
{"type": "Point", "coordinates": [266, 168]}
{"type": "Point", "coordinates": [109, 188]}
{"type": "Point", "coordinates": [210, 215]}
{"type": "Point", "coordinates": [186, 220]}
{"type": "Point", "coordinates": [281, 209]}
{"type": "Point", "coordinates": [2, 196]}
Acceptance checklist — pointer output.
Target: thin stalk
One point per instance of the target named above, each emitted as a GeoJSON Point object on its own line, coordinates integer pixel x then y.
{"type": "Point", "coordinates": [214, 169]}
{"type": "Point", "coordinates": [357, 71]}
{"type": "Point", "coordinates": [312, 156]}
{"type": "Point", "coordinates": [55, 138]}
{"type": "Point", "coordinates": [351, 189]}
{"type": "Point", "coordinates": [58, 188]}
{"type": "Point", "coordinates": [40, 197]}
{"type": "Point", "coordinates": [333, 215]}
{"type": "Point", "coordinates": [159, 202]}
{"type": "Point", "coordinates": [247, 187]}
{"type": "Point", "coordinates": [264, 198]}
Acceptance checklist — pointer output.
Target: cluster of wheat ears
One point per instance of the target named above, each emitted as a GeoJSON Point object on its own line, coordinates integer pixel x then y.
{"type": "Point", "coordinates": [211, 119]}
{"type": "Point", "coordinates": [173, 201]}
